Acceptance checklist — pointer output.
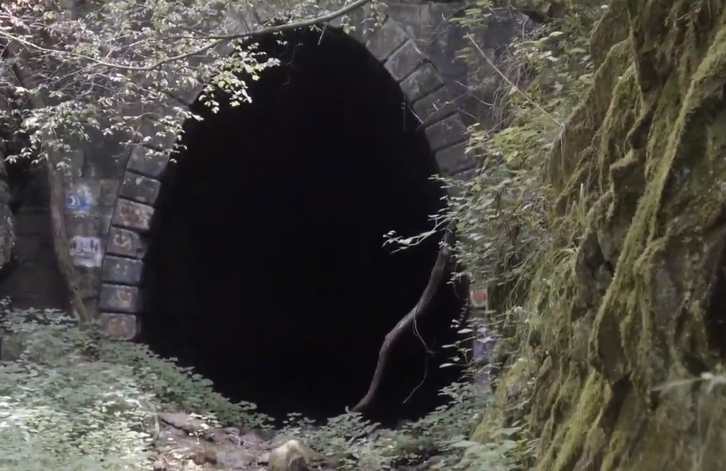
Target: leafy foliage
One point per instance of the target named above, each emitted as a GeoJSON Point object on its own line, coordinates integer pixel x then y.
{"type": "Point", "coordinates": [88, 62]}
{"type": "Point", "coordinates": [58, 410]}
{"type": "Point", "coordinates": [73, 399]}
{"type": "Point", "coordinates": [504, 214]}
{"type": "Point", "coordinates": [76, 68]}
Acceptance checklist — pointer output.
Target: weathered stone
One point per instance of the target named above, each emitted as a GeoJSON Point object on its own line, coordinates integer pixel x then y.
{"type": "Point", "coordinates": [89, 224]}
{"type": "Point", "coordinates": [104, 163]}
{"type": "Point", "coordinates": [454, 159]}
{"type": "Point", "coordinates": [184, 422]}
{"type": "Point", "coordinates": [125, 271]}
{"type": "Point", "coordinates": [82, 195]}
{"type": "Point", "coordinates": [140, 188]}
{"type": "Point", "coordinates": [132, 215]}
{"type": "Point", "coordinates": [446, 132]}
{"type": "Point", "coordinates": [366, 27]}
{"type": "Point", "coordinates": [362, 22]}
{"type": "Point", "coordinates": [108, 191]}
{"type": "Point", "coordinates": [72, 163]}
{"type": "Point", "coordinates": [421, 82]}
{"type": "Point", "coordinates": [126, 243]}
{"type": "Point", "coordinates": [119, 298]}
{"type": "Point", "coordinates": [121, 326]}
{"type": "Point", "coordinates": [436, 106]}
{"type": "Point", "coordinates": [89, 280]}
{"type": "Point", "coordinates": [293, 456]}
{"type": "Point", "coordinates": [386, 39]}
{"type": "Point", "coordinates": [147, 162]}
{"type": "Point", "coordinates": [404, 61]}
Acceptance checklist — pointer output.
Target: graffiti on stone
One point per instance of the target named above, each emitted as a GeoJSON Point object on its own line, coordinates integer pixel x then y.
{"type": "Point", "coordinates": [133, 215]}
{"type": "Point", "coordinates": [479, 298]}
{"type": "Point", "coordinates": [119, 298]}
{"type": "Point", "coordinates": [123, 241]}
{"type": "Point", "coordinates": [125, 298]}
{"type": "Point", "coordinates": [86, 251]}
{"type": "Point", "coordinates": [120, 325]}
{"type": "Point", "coordinates": [80, 199]}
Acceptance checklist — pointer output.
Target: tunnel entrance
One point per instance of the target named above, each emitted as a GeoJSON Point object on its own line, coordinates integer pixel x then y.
{"type": "Point", "coordinates": [266, 269]}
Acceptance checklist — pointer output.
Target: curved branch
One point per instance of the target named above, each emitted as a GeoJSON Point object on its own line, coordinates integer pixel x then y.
{"type": "Point", "coordinates": [218, 40]}
{"type": "Point", "coordinates": [424, 303]}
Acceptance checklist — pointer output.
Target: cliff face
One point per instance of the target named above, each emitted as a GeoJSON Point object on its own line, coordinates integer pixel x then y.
{"type": "Point", "coordinates": [642, 303]}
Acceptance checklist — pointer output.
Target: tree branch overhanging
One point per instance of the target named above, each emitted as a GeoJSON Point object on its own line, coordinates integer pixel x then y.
{"type": "Point", "coordinates": [57, 199]}
{"type": "Point", "coordinates": [217, 40]}
{"type": "Point", "coordinates": [436, 280]}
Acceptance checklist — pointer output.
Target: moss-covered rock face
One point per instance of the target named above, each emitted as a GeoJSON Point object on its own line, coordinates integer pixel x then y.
{"type": "Point", "coordinates": [643, 302]}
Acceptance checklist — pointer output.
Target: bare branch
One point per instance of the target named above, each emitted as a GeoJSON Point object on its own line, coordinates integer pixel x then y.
{"type": "Point", "coordinates": [438, 274]}
{"type": "Point", "coordinates": [510, 83]}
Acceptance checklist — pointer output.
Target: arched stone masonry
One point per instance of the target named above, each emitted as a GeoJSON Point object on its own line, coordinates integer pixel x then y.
{"type": "Point", "coordinates": [120, 298]}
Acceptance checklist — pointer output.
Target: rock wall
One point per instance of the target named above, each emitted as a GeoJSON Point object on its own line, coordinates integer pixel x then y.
{"type": "Point", "coordinates": [33, 280]}
{"type": "Point", "coordinates": [29, 273]}
{"type": "Point", "coordinates": [112, 191]}
{"type": "Point", "coordinates": [640, 305]}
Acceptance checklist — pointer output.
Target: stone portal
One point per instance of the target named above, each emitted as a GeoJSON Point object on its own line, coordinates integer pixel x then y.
{"type": "Point", "coordinates": [266, 268]}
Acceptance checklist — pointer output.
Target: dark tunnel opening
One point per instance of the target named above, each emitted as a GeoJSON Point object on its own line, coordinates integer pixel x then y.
{"type": "Point", "coordinates": [266, 268]}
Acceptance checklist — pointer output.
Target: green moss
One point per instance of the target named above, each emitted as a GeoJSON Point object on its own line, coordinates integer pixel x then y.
{"type": "Point", "coordinates": [645, 154]}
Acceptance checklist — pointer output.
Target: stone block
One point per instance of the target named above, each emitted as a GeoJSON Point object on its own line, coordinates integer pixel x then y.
{"type": "Point", "coordinates": [421, 82]}
{"type": "Point", "coordinates": [89, 278]}
{"type": "Point", "coordinates": [82, 195]}
{"type": "Point", "coordinates": [147, 162]}
{"type": "Point", "coordinates": [446, 132]}
{"type": "Point", "coordinates": [362, 22]}
{"type": "Point", "coordinates": [120, 326]}
{"type": "Point", "coordinates": [389, 37]}
{"type": "Point", "coordinates": [368, 24]}
{"type": "Point", "coordinates": [132, 215]}
{"type": "Point", "coordinates": [125, 271]}
{"type": "Point", "coordinates": [454, 159]}
{"type": "Point", "coordinates": [72, 163]}
{"type": "Point", "coordinates": [436, 106]}
{"type": "Point", "coordinates": [119, 298]}
{"type": "Point", "coordinates": [108, 191]}
{"type": "Point", "coordinates": [140, 188]}
{"type": "Point", "coordinates": [404, 61]}
{"type": "Point", "coordinates": [126, 243]}
{"type": "Point", "coordinates": [457, 191]}
{"type": "Point", "coordinates": [89, 224]}
{"type": "Point", "coordinates": [105, 161]}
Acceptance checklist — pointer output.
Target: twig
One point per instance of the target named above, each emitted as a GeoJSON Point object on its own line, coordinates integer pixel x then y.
{"type": "Point", "coordinates": [218, 40]}
{"type": "Point", "coordinates": [424, 303]}
{"type": "Point", "coordinates": [506, 79]}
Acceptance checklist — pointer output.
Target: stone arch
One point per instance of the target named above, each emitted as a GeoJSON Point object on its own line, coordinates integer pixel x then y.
{"type": "Point", "coordinates": [120, 297]}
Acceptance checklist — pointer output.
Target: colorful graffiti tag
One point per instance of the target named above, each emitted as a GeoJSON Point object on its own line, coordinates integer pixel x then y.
{"type": "Point", "coordinates": [80, 200]}
{"type": "Point", "coordinates": [479, 298]}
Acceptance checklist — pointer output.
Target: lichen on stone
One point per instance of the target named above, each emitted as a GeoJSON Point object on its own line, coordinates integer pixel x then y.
{"type": "Point", "coordinates": [645, 153]}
